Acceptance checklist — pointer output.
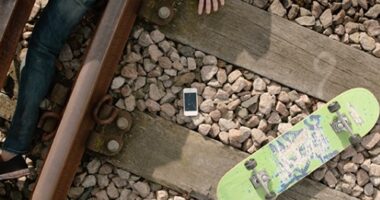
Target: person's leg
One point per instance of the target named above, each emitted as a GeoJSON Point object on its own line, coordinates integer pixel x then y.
{"type": "Point", "coordinates": [49, 35]}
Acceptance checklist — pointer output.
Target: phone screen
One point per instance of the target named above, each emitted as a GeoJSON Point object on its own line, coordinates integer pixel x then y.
{"type": "Point", "coordinates": [190, 102]}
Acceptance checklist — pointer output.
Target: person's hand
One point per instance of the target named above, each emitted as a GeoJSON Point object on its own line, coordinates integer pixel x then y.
{"type": "Point", "coordinates": [205, 6]}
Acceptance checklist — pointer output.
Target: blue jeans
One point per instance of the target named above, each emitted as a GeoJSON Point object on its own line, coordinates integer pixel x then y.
{"type": "Point", "coordinates": [49, 35]}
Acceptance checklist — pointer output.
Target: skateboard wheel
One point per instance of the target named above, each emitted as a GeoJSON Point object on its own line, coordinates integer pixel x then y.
{"type": "Point", "coordinates": [250, 164]}
{"type": "Point", "coordinates": [333, 107]}
{"type": "Point", "coordinates": [270, 196]}
{"type": "Point", "coordinates": [355, 139]}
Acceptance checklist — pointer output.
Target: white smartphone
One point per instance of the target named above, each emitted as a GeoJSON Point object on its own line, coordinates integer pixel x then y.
{"type": "Point", "coordinates": [190, 101]}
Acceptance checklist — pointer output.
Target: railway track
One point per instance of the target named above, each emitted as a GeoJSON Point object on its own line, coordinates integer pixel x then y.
{"type": "Point", "coordinates": [77, 123]}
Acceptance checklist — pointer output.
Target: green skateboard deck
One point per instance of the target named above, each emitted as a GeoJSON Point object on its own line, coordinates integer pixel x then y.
{"type": "Point", "coordinates": [306, 146]}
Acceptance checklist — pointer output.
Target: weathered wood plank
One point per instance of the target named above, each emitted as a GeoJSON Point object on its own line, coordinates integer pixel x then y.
{"type": "Point", "coordinates": [179, 158]}
{"type": "Point", "coordinates": [13, 16]}
{"type": "Point", "coordinates": [276, 48]}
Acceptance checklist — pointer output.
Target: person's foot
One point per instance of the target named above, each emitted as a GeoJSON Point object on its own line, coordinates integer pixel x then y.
{"type": "Point", "coordinates": [13, 168]}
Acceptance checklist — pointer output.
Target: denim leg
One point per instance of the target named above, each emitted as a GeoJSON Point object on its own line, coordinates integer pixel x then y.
{"type": "Point", "coordinates": [48, 38]}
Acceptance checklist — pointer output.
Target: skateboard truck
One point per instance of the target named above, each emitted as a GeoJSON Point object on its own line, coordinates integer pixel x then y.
{"type": "Point", "coordinates": [342, 123]}
{"type": "Point", "coordinates": [259, 179]}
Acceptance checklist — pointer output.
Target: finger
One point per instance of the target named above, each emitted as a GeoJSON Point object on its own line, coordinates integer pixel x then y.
{"type": "Point", "coordinates": [201, 6]}
{"type": "Point", "coordinates": [208, 6]}
{"type": "Point", "coordinates": [215, 5]}
{"type": "Point", "coordinates": [222, 2]}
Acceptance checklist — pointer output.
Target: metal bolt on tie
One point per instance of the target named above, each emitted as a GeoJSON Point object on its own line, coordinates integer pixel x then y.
{"type": "Point", "coordinates": [113, 145]}
{"type": "Point", "coordinates": [164, 12]}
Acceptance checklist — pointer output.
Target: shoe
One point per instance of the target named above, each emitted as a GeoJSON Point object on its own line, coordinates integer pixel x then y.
{"type": "Point", "coordinates": [13, 168]}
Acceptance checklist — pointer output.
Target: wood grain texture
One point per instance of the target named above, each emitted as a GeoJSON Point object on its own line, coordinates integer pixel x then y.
{"type": "Point", "coordinates": [178, 158]}
{"type": "Point", "coordinates": [276, 48]}
{"type": "Point", "coordinates": [13, 16]}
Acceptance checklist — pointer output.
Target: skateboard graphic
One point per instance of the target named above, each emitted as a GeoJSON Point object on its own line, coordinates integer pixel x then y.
{"type": "Point", "coordinates": [309, 144]}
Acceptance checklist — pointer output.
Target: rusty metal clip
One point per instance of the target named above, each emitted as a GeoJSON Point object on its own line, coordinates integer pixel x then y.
{"type": "Point", "coordinates": [49, 124]}
{"type": "Point", "coordinates": [104, 113]}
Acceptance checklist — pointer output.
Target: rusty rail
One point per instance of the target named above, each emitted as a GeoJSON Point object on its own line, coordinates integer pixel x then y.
{"type": "Point", "coordinates": [13, 16]}
{"type": "Point", "coordinates": [92, 84]}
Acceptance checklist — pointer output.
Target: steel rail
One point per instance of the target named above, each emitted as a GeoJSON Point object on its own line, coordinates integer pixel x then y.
{"type": "Point", "coordinates": [92, 84]}
{"type": "Point", "coordinates": [13, 16]}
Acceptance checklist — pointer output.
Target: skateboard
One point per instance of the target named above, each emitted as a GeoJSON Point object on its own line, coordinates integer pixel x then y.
{"type": "Point", "coordinates": [309, 144]}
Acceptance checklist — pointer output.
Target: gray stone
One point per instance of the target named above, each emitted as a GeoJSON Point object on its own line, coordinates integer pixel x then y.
{"type": "Point", "coordinates": [316, 9]}
{"type": "Point", "coordinates": [165, 62]}
{"type": "Point", "coordinates": [101, 195]}
{"type": "Point", "coordinates": [222, 95]}
{"type": "Point", "coordinates": [293, 11]}
{"type": "Point", "coordinates": [157, 36]}
{"type": "Point", "coordinates": [102, 181]}
{"type": "Point", "coordinates": [370, 140]}
{"type": "Point", "coordinates": [306, 20]}
{"type": "Point", "coordinates": [223, 136]}
{"type": "Point", "coordinates": [142, 188]}
{"type": "Point", "coordinates": [168, 109]}
{"type": "Point", "coordinates": [89, 181]}
{"type": "Point", "coordinates": [75, 192]}
{"type": "Point", "coordinates": [162, 195]}
{"type": "Point", "coordinates": [362, 177]}
{"type": "Point", "coordinates": [376, 51]}
{"type": "Point", "coordinates": [259, 84]}
{"type": "Point", "coordinates": [165, 46]}
{"type": "Point", "coordinates": [374, 170]}
{"type": "Point", "coordinates": [339, 18]}
{"type": "Point", "coordinates": [209, 92]}
{"type": "Point", "coordinates": [351, 27]}
{"type": "Point", "coordinates": [155, 93]}
{"type": "Point", "coordinates": [250, 101]}
{"type": "Point", "coordinates": [266, 103]}
{"type": "Point", "coordinates": [145, 40]}
{"type": "Point", "coordinates": [367, 42]}
{"type": "Point", "coordinates": [284, 127]}
{"type": "Point", "coordinates": [368, 189]}
{"type": "Point", "coordinates": [207, 106]}
{"type": "Point", "coordinates": [191, 64]}
{"type": "Point", "coordinates": [112, 191]}
{"type": "Point", "coordinates": [208, 72]}
{"type": "Point", "coordinates": [93, 166]}
{"type": "Point", "coordinates": [260, 3]}
{"type": "Point", "coordinates": [226, 125]}
{"type": "Point", "coordinates": [234, 75]}
{"type": "Point", "coordinates": [350, 167]}
{"type": "Point", "coordinates": [330, 179]}
{"type": "Point", "coordinates": [186, 50]}
{"type": "Point", "coordinates": [204, 129]}
{"type": "Point", "coordinates": [373, 12]}
{"type": "Point", "coordinates": [210, 60]}
{"type": "Point", "coordinates": [326, 18]}
{"type": "Point", "coordinates": [239, 136]}
{"type": "Point", "coordinates": [258, 136]}
{"type": "Point", "coordinates": [239, 85]}
{"type": "Point", "coordinates": [277, 8]}
{"type": "Point", "coordinates": [154, 53]}
{"type": "Point", "coordinates": [152, 106]}
{"type": "Point", "coordinates": [105, 169]}
{"type": "Point", "coordinates": [130, 103]}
